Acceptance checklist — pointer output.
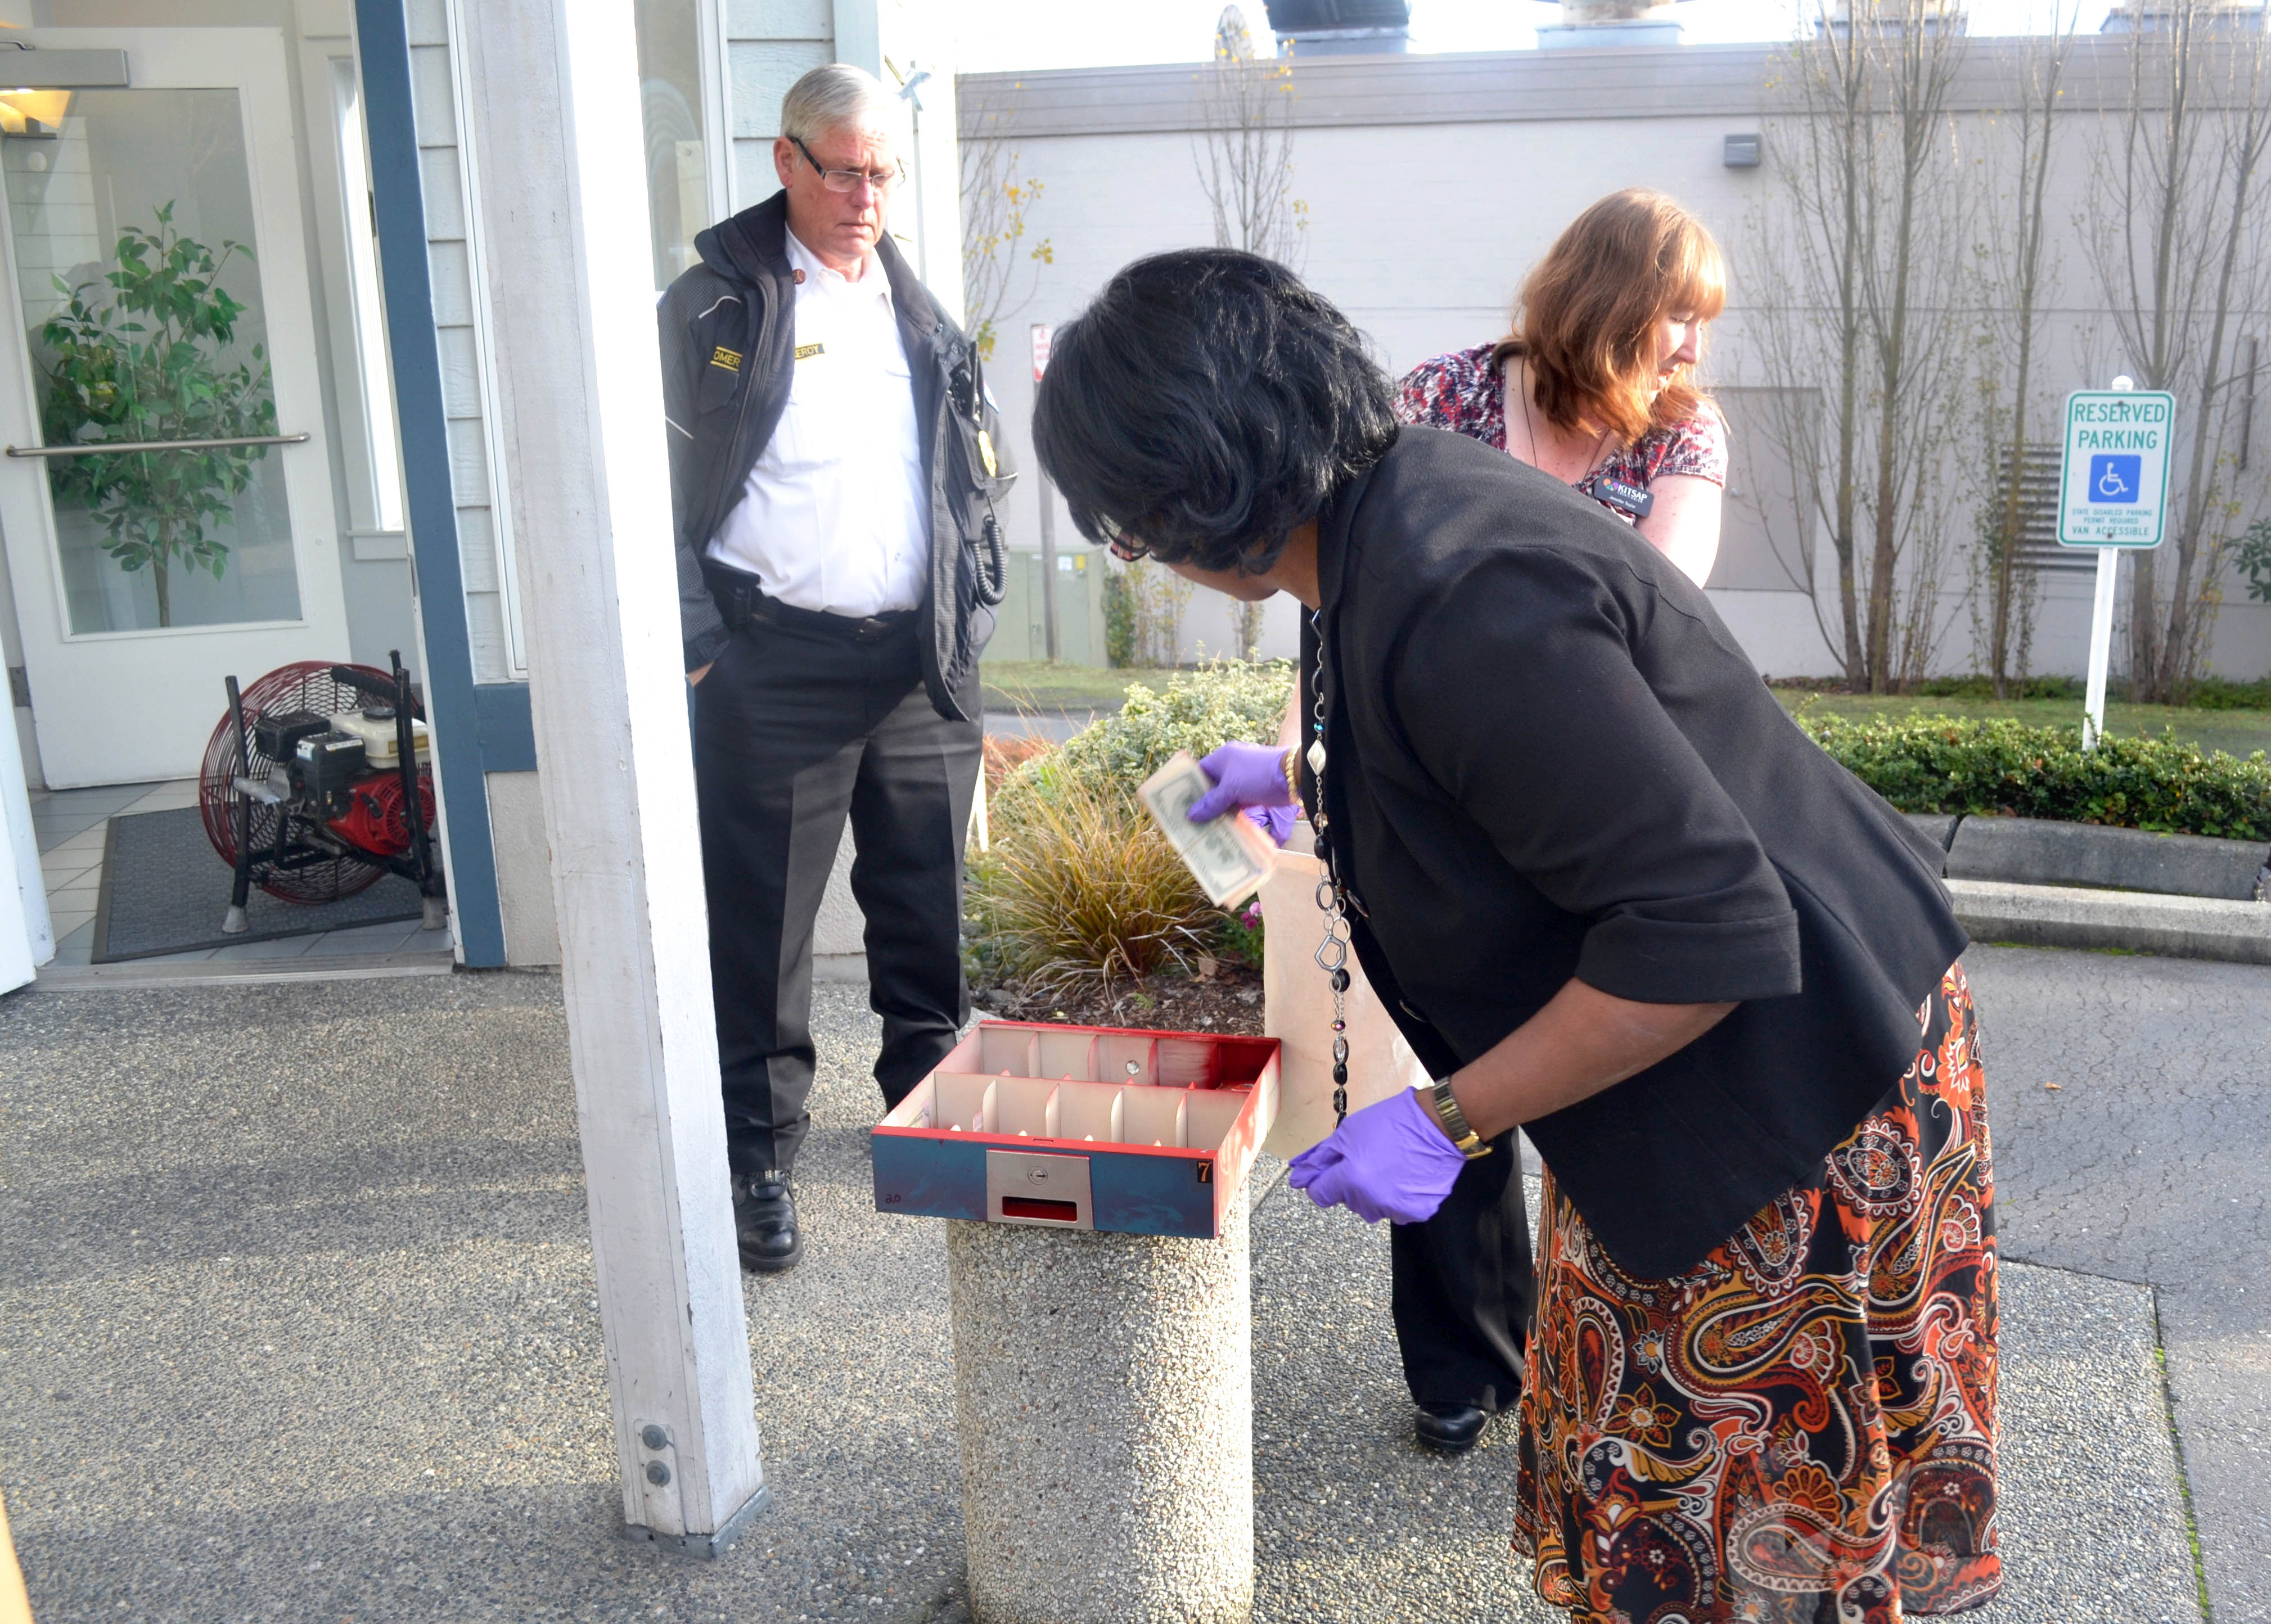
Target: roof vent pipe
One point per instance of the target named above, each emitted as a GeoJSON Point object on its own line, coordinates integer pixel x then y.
{"type": "Point", "coordinates": [1593, 24]}
{"type": "Point", "coordinates": [1340, 28]}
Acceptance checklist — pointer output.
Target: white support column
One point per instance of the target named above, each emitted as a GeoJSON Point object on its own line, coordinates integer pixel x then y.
{"type": "Point", "coordinates": [563, 195]}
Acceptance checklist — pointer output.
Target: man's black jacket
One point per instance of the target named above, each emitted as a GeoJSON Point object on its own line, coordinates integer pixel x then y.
{"type": "Point", "coordinates": [728, 348]}
{"type": "Point", "coordinates": [1546, 758]}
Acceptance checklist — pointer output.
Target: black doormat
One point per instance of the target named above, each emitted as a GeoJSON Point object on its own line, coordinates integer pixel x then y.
{"type": "Point", "coordinates": [165, 890]}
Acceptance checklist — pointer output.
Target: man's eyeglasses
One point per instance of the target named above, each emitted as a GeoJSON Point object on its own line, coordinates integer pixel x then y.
{"type": "Point", "coordinates": [849, 180]}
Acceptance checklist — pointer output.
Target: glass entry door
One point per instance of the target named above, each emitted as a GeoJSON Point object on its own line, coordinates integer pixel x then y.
{"type": "Point", "coordinates": [164, 489]}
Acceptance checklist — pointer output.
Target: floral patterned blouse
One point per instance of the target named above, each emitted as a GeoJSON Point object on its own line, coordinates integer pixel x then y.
{"type": "Point", "coordinates": [1462, 393]}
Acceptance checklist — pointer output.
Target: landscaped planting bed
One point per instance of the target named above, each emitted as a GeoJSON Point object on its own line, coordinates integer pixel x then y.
{"type": "Point", "coordinates": [1082, 913]}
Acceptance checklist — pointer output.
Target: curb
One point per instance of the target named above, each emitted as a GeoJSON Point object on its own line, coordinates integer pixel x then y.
{"type": "Point", "coordinates": [2068, 917]}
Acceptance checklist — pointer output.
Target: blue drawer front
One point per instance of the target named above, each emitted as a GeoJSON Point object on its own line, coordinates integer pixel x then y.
{"type": "Point", "coordinates": [1151, 1195]}
{"type": "Point", "coordinates": [930, 1179]}
{"type": "Point", "coordinates": [1131, 1194]}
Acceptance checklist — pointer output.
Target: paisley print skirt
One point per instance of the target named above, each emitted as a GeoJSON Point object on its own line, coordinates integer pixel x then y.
{"type": "Point", "coordinates": [1802, 1429]}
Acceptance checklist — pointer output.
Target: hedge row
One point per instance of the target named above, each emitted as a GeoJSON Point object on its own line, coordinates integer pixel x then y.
{"type": "Point", "coordinates": [1944, 764]}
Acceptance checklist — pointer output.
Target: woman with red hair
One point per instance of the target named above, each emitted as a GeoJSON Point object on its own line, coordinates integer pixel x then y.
{"type": "Point", "coordinates": [1596, 385]}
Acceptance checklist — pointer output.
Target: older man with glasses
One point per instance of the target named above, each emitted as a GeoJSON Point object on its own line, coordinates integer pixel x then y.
{"type": "Point", "coordinates": [834, 471]}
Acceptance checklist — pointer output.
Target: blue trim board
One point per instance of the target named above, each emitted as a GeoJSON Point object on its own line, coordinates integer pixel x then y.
{"type": "Point", "coordinates": [507, 729]}
{"type": "Point", "coordinates": [383, 42]}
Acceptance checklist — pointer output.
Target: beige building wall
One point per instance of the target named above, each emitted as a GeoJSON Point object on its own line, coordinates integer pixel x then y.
{"type": "Point", "coordinates": [1433, 183]}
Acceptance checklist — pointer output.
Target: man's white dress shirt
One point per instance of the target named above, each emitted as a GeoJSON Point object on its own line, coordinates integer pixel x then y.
{"type": "Point", "coordinates": [834, 515]}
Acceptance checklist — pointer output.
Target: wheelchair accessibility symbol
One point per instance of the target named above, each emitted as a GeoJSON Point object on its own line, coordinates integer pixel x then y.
{"type": "Point", "coordinates": [2114, 479]}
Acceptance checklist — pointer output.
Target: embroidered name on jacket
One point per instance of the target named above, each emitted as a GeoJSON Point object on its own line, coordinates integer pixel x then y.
{"type": "Point", "coordinates": [806, 352]}
{"type": "Point", "coordinates": [731, 359]}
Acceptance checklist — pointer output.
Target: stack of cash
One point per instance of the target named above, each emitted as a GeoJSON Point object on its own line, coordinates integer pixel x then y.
{"type": "Point", "coordinates": [1228, 855]}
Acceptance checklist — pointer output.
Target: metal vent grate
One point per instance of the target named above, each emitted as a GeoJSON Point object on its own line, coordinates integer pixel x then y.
{"type": "Point", "coordinates": [2038, 497]}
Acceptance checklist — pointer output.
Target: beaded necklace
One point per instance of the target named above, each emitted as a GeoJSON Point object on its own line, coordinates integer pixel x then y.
{"type": "Point", "coordinates": [1332, 896]}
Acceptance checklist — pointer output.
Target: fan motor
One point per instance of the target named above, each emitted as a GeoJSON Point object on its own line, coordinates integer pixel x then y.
{"type": "Point", "coordinates": [378, 818]}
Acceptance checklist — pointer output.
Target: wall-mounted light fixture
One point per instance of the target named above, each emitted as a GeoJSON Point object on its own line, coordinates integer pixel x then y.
{"type": "Point", "coordinates": [1740, 152]}
{"type": "Point", "coordinates": [28, 115]}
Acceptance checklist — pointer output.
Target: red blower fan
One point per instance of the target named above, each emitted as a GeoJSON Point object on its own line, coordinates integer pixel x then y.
{"type": "Point", "coordinates": [316, 784]}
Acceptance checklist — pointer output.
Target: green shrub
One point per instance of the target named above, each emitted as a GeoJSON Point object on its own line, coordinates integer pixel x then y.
{"type": "Point", "coordinates": [1944, 764]}
{"type": "Point", "coordinates": [2224, 694]}
{"type": "Point", "coordinates": [1198, 710]}
{"type": "Point", "coordinates": [1980, 687]}
{"type": "Point", "coordinates": [1118, 619]}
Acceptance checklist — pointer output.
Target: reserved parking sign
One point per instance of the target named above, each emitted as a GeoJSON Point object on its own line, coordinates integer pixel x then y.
{"type": "Point", "coordinates": [2113, 487]}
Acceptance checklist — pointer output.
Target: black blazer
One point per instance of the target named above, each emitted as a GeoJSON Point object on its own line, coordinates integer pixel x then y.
{"type": "Point", "coordinates": [1547, 757]}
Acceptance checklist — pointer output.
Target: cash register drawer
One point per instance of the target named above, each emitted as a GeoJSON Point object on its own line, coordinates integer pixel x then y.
{"type": "Point", "coordinates": [1146, 1133]}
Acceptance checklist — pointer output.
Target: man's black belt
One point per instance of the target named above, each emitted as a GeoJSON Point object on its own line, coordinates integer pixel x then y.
{"type": "Point", "coordinates": [742, 601]}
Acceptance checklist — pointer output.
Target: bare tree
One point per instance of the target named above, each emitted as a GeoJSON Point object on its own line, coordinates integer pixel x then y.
{"type": "Point", "coordinates": [1000, 269]}
{"type": "Point", "coordinates": [1246, 168]}
{"type": "Point", "coordinates": [2174, 235]}
{"type": "Point", "coordinates": [1860, 287]}
{"type": "Point", "coordinates": [1245, 151]}
{"type": "Point", "coordinates": [2021, 286]}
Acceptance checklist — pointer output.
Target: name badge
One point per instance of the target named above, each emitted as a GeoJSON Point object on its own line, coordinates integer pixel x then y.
{"type": "Point", "coordinates": [986, 454]}
{"type": "Point", "coordinates": [806, 352]}
{"type": "Point", "coordinates": [1637, 500]}
{"type": "Point", "coordinates": [730, 360]}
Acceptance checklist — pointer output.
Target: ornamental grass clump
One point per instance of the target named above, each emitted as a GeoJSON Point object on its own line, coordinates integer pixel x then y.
{"type": "Point", "coordinates": [1997, 767]}
{"type": "Point", "coordinates": [1079, 886]}
{"type": "Point", "coordinates": [1085, 890]}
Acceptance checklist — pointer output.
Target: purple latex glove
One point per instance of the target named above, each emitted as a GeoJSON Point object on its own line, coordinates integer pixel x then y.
{"type": "Point", "coordinates": [1244, 775]}
{"type": "Point", "coordinates": [1276, 822]}
{"type": "Point", "coordinates": [1389, 1160]}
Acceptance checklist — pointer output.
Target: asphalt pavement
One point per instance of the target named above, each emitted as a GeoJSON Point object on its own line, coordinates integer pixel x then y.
{"type": "Point", "coordinates": [2131, 1123]}
{"type": "Point", "coordinates": [296, 1322]}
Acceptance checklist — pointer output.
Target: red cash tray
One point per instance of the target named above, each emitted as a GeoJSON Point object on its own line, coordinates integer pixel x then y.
{"type": "Point", "coordinates": [1144, 1133]}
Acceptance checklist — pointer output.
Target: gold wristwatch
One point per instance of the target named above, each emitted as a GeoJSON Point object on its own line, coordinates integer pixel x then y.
{"type": "Point", "coordinates": [1455, 1121]}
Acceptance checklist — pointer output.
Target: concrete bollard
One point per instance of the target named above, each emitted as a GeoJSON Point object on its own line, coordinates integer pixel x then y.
{"type": "Point", "coordinates": [1104, 1391]}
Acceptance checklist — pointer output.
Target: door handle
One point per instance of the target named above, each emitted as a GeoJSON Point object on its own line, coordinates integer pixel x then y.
{"type": "Point", "coordinates": [97, 448]}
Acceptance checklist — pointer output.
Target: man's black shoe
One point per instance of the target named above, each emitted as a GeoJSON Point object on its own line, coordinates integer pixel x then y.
{"type": "Point", "coordinates": [764, 1223]}
{"type": "Point", "coordinates": [1452, 1428]}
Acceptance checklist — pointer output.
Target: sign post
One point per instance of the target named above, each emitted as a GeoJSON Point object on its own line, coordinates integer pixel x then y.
{"type": "Point", "coordinates": [1048, 513]}
{"type": "Point", "coordinates": [2114, 493]}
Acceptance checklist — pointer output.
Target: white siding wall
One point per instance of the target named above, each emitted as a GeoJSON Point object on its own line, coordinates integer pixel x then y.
{"type": "Point", "coordinates": [458, 334]}
{"type": "Point", "coordinates": [769, 45]}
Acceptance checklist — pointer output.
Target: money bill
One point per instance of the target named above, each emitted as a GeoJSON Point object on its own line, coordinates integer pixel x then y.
{"type": "Point", "coordinates": [1229, 856]}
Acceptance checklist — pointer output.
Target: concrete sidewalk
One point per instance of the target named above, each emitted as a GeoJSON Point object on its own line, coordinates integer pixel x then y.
{"type": "Point", "coordinates": [295, 1323]}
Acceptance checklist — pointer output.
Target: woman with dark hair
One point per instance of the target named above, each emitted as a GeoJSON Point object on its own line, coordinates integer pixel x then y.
{"type": "Point", "coordinates": [1596, 385]}
{"type": "Point", "coordinates": [1610, 893]}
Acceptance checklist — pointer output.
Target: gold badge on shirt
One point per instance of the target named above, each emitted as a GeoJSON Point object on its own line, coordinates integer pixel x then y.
{"type": "Point", "coordinates": [806, 352]}
{"type": "Point", "coordinates": [986, 454]}
{"type": "Point", "coordinates": [731, 359]}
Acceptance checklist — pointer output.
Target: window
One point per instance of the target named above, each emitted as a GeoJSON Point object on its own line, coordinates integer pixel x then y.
{"type": "Point", "coordinates": [375, 382]}
{"type": "Point", "coordinates": [675, 123]}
